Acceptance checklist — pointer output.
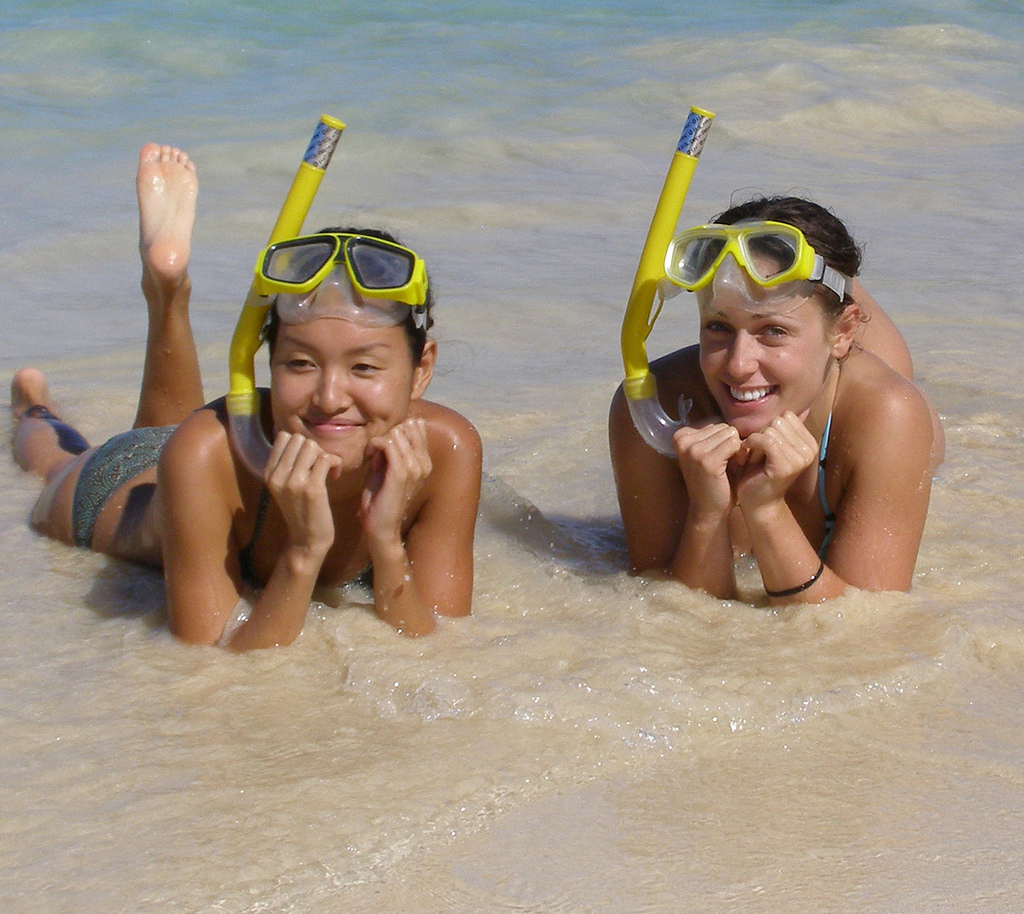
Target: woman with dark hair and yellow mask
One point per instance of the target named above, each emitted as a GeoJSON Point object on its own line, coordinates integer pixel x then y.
{"type": "Point", "coordinates": [805, 442]}
{"type": "Point", "coordinates": [365, 477]}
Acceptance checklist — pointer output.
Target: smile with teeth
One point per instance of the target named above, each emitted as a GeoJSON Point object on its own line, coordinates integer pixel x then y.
{"type": "Point", "coordinates": [750, 394]}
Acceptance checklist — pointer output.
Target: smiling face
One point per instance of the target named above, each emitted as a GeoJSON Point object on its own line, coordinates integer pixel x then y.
{"type": "Point", "coordinates": [760, 363]}
{"type": "Point", "coordinates": [342, 384]}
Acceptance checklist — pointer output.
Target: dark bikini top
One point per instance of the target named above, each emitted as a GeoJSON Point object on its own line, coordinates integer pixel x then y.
{"type": "Point", "coordinates": [830, 515]}
{"type": "Point", "coordinates": [245, 561]}
{"type": "Point", "coordinates": [245, 555]}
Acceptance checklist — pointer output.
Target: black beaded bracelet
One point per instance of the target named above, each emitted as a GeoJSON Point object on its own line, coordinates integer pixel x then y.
{"type": "Point", "coordinates": [799, 587]}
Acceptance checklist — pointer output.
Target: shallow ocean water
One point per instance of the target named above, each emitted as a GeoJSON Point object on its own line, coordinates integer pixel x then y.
{"type": "Point", "coordinates": [585, 741]}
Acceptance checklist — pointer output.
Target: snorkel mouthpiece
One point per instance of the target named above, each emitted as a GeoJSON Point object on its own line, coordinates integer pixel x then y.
{"type": "Point", "coordinates": [640, 386]}
{"type": "Point", "coordinates": [243, 401]}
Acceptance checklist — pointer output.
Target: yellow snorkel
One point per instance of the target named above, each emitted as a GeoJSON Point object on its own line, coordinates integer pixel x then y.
{"type": "Point", "coordinates": [640, 386]}
{"type": "Point", "coordinates": [243, 401]}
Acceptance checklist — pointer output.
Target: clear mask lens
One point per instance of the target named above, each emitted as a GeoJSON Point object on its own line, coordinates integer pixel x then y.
{"type": "Point", "coordinates": [696, 258]}
{"type": "Point", "coordinates": [732, 284]}
{"type": "Point", "coordinates": [767, 254]}
{"type": "Point", "coordinates": [298, 263]}
{"type": "Point", "coordinates": [379, 267]}
{"type": "Point", "coordinates": [335, 297]}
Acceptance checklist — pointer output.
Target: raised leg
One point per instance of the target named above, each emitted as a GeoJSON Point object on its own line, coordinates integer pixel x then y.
{"type": "Point", "coordinates": [167, 187]}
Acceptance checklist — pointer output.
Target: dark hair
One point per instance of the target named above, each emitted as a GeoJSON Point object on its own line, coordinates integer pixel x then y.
{"type": "Point", "coordinates": [417, 336]}
{"type": "Point", "coordinates": [823, 230]}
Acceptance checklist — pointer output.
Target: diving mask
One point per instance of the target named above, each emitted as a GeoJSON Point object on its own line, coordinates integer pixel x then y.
{"type": "Point", "coordinates": [360, 278]}
{"type": "Point", "coordinates": [776, 256]}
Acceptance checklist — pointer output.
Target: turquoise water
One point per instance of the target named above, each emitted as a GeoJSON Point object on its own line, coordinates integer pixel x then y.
{"type": "Point", "coordinates": [584, 742]}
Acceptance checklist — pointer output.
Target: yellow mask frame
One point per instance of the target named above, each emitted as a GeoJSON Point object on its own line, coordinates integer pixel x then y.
{"type": "Point", "coordinates": [695, 255]}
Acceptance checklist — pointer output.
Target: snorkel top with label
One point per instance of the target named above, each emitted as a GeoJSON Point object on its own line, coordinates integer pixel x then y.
{"type": "Point", "coordinates": [640, 386]}
{"type": "Point", "coordinates": [243, 400]}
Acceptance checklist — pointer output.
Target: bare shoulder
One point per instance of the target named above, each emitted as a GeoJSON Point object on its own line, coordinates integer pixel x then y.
{"type": "Point", "coordinates": [440, 536]}
{"type": "Point", "coordinates": [880, 481]}
{"type": "Point", "coordinates": [452, 437]}
{"type": "Point", "coordinates": [880, 387]}
{"type": "Point", "coordinates": [200, 485]}
{"type": "Point", "coordinates": [882, 409]}
{"type": "Point", "coordinates": [201, 436]}
{"type": "Point", "coordinates": [201, 448]}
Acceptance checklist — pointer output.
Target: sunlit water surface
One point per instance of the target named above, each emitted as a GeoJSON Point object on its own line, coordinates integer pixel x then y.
{"type": "Point", "coordinates": [585, 741]}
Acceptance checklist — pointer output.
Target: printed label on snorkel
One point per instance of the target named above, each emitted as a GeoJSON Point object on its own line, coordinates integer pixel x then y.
{"type": "Point", "coordinates": [321, 146]}
{"type": "Point", "coordinates": [695, 132]}
{"type": "Point", "coordinates": [336, 298]}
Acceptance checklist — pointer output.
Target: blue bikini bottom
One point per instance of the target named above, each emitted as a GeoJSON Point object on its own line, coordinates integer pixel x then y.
{"type": "Point", "coordinates": [108, 468]}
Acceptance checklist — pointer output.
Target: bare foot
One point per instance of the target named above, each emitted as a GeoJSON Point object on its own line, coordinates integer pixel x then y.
{"type": "Point", "coordinates": [29, 388]}
{"type": "Point", "coordinates": [167, 187]}
{"type": "Point", "coordinates": [41, 443]}
{"type": "Point", "coordinates": [171, 383]}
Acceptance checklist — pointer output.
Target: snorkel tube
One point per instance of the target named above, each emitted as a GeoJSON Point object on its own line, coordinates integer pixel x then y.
{"type": "Point", "coordinates": [243, 400]}
{"type": "Point", "coordinates": [640, 386]}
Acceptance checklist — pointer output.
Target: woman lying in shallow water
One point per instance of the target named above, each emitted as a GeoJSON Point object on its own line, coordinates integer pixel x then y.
{"type": "Point", "coordinates": [807, 442]}
{"type": "Point", "coordinates": [364, 475]}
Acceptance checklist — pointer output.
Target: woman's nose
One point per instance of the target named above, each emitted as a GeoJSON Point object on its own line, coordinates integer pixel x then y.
{"type": "Point", "coordinates": [742, 354]}
{"type": "Point", "coordinates": [332, 394]}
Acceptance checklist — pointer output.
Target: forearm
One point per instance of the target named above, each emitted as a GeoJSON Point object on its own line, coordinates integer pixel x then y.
{"type": "Point", "coordinates": [396, 597]}
{"type": "Point", "coordinates": [786, 558]}
{"type": "Point", "coordinates": [279, 613]}
{"type": "Point", "coordinates": [703, 558]}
